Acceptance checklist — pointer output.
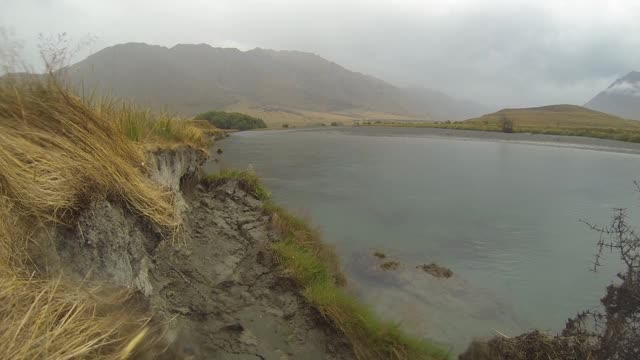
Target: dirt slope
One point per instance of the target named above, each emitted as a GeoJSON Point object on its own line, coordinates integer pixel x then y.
{"type": "Point", "coordinates": [216, 284]}
{"type": "Point", "coordinates": [230, 299]}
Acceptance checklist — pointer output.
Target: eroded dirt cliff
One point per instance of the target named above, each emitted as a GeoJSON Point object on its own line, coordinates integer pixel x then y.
{"type": "Point", "coordinates": [216, 284]}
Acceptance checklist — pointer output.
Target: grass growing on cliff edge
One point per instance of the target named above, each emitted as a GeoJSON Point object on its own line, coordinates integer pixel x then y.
{"type": "Point", "coordinates": [145, 127]}
{"type": "Point", "coordinates": [247, 180]}
{"type": "Point", "coordinates": [57, 155]}
{"type": "Point", "coordinates": [315, 266]}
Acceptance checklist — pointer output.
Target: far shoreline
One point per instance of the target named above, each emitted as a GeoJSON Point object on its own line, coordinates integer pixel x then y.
{"type": "Point", "coordinates": [576, 142]}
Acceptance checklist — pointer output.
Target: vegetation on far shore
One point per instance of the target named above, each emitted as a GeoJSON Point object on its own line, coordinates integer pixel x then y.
{"type": "Point", "coordinates": [314, 265]}
{"type": "Point", "coordinates": [231, 120]}
{"type": "Point", "coordinates": [564, 120]}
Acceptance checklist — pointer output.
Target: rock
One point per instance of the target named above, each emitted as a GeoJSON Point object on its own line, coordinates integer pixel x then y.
{"type": "Point", "coordinates": [436, 270]}
{"type": "Point", "coordinates": [390, 265]}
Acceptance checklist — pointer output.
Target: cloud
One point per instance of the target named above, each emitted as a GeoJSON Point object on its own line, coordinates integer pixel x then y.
{"type": "Point", "coordinates": [625, 88]}
{"type": "Point", "coordinates": [500, 52]}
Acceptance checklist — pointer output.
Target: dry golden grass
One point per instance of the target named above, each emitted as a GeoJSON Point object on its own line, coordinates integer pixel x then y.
{"type": "Point", "coordinates": [46, 319]}
{"type": "Point", "coordinates": [275, 117]}
{"type": "Point", "coordinates": [57, 155]}
{"type": "Point", "coordinates": [206, 128]}
{"type": "Point", "coordinates": [145, 127]}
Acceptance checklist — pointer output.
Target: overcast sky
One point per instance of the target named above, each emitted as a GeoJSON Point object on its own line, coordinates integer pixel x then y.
{"type": "Point", "coordinates": [498, 52]}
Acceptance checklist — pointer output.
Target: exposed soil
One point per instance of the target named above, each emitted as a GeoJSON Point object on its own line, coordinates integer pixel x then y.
{"type": "Point", "coordinates": [216, 284]}
{"type": "Point", "coordinates": [230, 300]}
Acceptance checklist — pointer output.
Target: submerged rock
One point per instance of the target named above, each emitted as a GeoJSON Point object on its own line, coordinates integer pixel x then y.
{"type": "Point", "coordinates": [390, 265]}
{"type": "Point", "coordinates": [379, 255]}
{"type": "Point", "coordinates": [436, 270]}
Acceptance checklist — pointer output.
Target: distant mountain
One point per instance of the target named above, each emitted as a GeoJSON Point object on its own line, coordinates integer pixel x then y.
{"type": "Point", "coordinates": [564, 116]}
{"type": "Point", "coordinates": [622, 98]}
{"type": "Point", "coordinates": [444, 107]}
{"type": "Point", "coordinates": [189, 79]}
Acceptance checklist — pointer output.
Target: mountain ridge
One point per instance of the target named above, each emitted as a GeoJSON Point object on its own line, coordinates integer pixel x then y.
{"type": "Point", "coordinates": [192, 78]}
{"type": "Point", "coordinates": [621, 98]}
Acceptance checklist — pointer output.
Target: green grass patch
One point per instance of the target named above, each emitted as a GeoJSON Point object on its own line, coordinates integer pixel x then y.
{"type": "Point", "coordinates": [371, 337]}
{"type": "Point", "coordinates": [314, 265]}
{"type": "Point", "coordinates": [247, 180]}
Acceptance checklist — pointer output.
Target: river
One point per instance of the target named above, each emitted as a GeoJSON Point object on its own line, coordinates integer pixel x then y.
{"type": "Point", "coordinates": [503, 215]}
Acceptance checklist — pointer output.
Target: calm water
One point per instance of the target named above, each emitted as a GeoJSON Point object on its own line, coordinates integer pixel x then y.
{"type": "Point", "coordinates": [503, 216]}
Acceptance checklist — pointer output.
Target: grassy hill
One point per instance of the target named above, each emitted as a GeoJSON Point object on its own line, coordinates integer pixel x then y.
{"type": "Point", "coordinates": [557, 116]}
{"type": "Point", "coordinates": [568, 120]}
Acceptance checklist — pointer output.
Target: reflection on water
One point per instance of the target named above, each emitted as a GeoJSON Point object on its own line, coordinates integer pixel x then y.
{"type": "Point", "coordinates": [503, 216]}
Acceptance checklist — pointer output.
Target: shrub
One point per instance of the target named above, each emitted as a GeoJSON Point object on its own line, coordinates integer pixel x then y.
{"type": "Point", "coordinates": [506, 124]}
{"type": "Point", "coordinates": [233, 120]}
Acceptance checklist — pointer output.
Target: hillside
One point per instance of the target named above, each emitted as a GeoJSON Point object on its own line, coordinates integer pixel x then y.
{"type": "Point", "coordinates": [622, 98]}
{"type": "Point", "coordinates": [558, 116]}
{"type": "Point", "coordinates": [189, 79]}
{"type": "Point", "coordinates": [565, 120]}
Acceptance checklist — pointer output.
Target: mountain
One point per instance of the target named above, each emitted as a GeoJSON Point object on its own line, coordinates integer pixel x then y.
{"type": "Point", "coordinates": [622, 98]}
{"type": "Point", "coordinates": [444, 107]}
{"type": "Point", "coordinates": [189, 79]}
{"type": "Point", "coordinates": [560, 116]}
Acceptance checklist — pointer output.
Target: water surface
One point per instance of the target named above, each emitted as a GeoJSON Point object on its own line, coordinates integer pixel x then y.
{"type": "Point", "coordinates": [504, 216]}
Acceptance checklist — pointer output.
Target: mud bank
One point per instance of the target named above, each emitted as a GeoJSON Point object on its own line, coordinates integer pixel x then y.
{"type": "Point", "coordinates": [216, 284]}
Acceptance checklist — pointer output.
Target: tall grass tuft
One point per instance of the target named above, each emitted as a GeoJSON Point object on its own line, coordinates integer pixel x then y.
{"type": "Point", "coordinates": [57, 155]}
{"type": "Point", "coordinates": [47, 319]}
{"type": "Point", "coordinates": [145, 127]}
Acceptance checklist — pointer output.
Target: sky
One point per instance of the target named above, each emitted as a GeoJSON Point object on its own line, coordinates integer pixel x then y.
{"type": "Point", "coordinates": [502, 53]}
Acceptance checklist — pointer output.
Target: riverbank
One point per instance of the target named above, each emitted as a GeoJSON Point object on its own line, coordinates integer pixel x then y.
{"type": "Point", "coordinates": [407, 196]}
{"type": "Point", "coordinates": [113, 245]}
{"type": "Point", "coordinates": [524, 138]}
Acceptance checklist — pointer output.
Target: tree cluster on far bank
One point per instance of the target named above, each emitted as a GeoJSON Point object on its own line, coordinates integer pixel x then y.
{"type": "Point", "coordinates": [232, 120]}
